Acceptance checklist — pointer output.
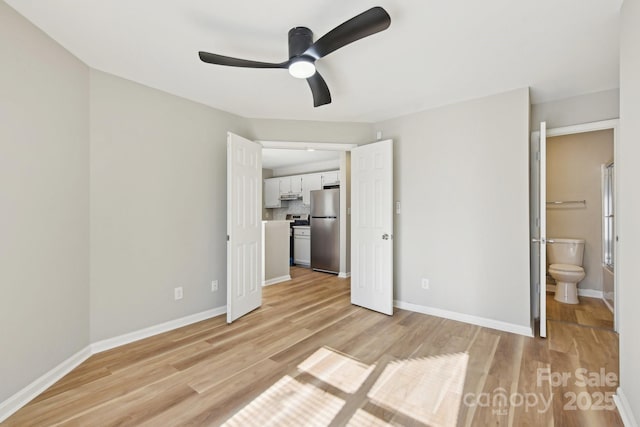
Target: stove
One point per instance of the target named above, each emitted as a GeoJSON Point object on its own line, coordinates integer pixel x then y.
{"type": "Point", "coordinates": [296, 219]}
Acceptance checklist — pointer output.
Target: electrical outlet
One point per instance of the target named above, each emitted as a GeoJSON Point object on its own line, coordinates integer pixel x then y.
{"type": "Point", "coordinates": [425, 283]}
{"type": "Point", "coordinates": [177, 293]}
{"type": "Point", "coordinates": [214, 286]}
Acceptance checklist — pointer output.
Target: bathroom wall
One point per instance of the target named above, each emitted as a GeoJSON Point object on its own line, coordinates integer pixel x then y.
{"type": "Point", "coordinates": [574, 173]}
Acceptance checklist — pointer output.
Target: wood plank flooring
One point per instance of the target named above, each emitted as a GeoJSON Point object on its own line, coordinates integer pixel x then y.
{"type": "Point", "coordinates": [308, 357]}
{"type": "Point", "coordinates": [590, 312]}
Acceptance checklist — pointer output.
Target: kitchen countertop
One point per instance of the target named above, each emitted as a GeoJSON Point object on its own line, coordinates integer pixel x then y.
{"type": "Point", "coordinates": [301, 226]}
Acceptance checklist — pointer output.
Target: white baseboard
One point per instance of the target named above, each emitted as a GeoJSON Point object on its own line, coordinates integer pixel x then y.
{"type": "Point", "coordinates": [589, 293]}
{"type": "Point", "coordinates": [466, 318]}
{"type": "Point", "coordinates": [276, 280]}
{"type": "Point", "coordinates": [608, 305]}
{"type": "Point", "coordinates": [344, 275]}
{"type": "Point", "coordinates": [624, 409]}
{"type": "Point", "coordinates": [30, 392]}
{"type": "Point", "coordinates": [24, 396]}
{"type": "Point", "coordinates": [130, 337]}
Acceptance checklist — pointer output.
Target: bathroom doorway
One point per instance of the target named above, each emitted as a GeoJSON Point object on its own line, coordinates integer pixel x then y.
{"type": "Point", "coordinates": [575, 210]}
{"type": "Point", "coordinates": [579, 172]}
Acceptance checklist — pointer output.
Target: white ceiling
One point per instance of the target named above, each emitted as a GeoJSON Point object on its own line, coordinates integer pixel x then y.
{"type": "Point", "coordinates": [434, 53]}
{"type": "Point", "coordinates": [273, 158]}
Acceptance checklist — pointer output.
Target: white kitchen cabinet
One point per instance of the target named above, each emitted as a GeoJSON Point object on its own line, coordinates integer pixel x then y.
{"type": "Point", "coordinates": [285, 184]}
{"type": "Point", "coordinates": [296, 184]}
{"type": "Point", "coordinates": [309, 183]}
{"type": "Point", "coordinates": [331, 178]}
{"type": "Point", "coordinates": [272, 193]}
{"type": "Point", "coordinates": [302, 245]}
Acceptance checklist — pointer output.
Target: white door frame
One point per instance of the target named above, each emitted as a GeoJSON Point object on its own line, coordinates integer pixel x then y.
{"type": "Point", "coordinates": [344, 149]}
{"type": "Point", "coordinates": [613, 124]}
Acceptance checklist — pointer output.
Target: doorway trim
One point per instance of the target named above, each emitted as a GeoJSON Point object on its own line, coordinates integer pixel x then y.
{"type": "Point", "coordinates": [613, 124]}
{"type": "Point", "coordinates": [299, 145]}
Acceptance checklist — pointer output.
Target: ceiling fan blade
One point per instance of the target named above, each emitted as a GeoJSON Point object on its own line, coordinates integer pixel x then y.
{"type": "Point", "coordinates": [367, 23]}
{"type": "Point", "coordinates": [319, 89]}
{"type": "Point", "coordinates": [213, 58]}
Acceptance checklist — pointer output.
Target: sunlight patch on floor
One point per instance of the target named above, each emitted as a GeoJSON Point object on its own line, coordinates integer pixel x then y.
{"type": "Point", "coordinates": [336, 369]}
{"type": "Point", "coordinates": [427, 389]}
{"type": "Point", "coordinates": [289, 402]}
{"type": "Point", "coordinates": [363, 418]}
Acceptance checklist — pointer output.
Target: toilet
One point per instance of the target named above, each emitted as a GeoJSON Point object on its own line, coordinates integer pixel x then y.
{"type": "Point", "coordinates": [565, 266]}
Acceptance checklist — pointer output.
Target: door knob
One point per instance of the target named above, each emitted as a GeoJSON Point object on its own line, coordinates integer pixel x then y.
{"type": "Point", "coordinates": [385, 236]}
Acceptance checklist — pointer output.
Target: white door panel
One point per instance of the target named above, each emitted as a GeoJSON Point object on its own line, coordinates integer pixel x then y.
{"type": "Point", "coordinates": [372, 226]}
{"type": "Point", "coordinates": [244, 226]}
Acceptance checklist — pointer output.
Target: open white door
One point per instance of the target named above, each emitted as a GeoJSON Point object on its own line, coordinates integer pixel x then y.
{"type": "Point", "coordinates": [244, 226]}
{"type": "Point", "coordinates": [539, 238]}
{"type": "Point", "coordinates": [372, 226]}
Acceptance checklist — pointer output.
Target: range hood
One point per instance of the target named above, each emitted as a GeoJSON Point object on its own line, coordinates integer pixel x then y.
{"type": "Point", "coordinates": [290, 196]}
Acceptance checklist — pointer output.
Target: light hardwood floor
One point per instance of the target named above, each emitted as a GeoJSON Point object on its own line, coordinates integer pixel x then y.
{"type": "Point", "coordinates": [308, 357]}
{"type": "Point", "coordinates": [590, 312]}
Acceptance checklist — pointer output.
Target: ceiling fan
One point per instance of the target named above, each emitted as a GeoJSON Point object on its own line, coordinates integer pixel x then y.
{"type": "Point", "coordinates": [303, 52]}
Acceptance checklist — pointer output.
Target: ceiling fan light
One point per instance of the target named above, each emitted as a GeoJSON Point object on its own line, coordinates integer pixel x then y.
{"type": "Point", "coordinates": [302, 69]}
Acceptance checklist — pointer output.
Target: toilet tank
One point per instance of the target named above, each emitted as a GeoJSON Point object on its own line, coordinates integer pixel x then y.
{"type": "Point", "coordinates": [565, 251]}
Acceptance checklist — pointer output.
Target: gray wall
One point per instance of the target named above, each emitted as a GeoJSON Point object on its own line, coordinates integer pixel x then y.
{"type": "Point", "coordinates": [628, 174]}
{"type": "Point", "coordinates": [461, 174]}
{"type": "Point", "coordinates": [309, 131]}
{"type": "Point", "coordinates": [158, 205]}
{"type": "Point", "coordinates": [266, 215]}
{"type": "Point", "coordinates": [581, 109]}
{"type": "Point", "coordinates": [574, 173]}
{"type": "Point", "coordinates": [44, 203]}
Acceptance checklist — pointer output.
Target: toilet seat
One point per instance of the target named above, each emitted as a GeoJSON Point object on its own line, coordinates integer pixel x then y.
{"type": "Point", "coordinates": [566, 268]}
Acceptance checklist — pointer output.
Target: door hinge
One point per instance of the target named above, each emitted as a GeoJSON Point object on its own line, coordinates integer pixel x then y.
{"type": "Point", "coordinates": [227, 237]}
{"type": "Point", "coordinates": [537, 155]}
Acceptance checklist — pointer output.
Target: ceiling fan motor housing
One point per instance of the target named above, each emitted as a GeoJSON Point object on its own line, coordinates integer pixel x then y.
{"type": "Point", "coordinates": [300, 38]}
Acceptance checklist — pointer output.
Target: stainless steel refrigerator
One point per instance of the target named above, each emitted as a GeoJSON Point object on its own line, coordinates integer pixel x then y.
{"type": "Point", "coordinates": [325, 230]}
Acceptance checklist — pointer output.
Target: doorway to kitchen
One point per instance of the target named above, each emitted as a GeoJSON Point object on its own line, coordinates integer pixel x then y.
{"type": "Point", "coordinates": [297, 176]}
{"type": "Point", "coordinates": [369, 243]}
